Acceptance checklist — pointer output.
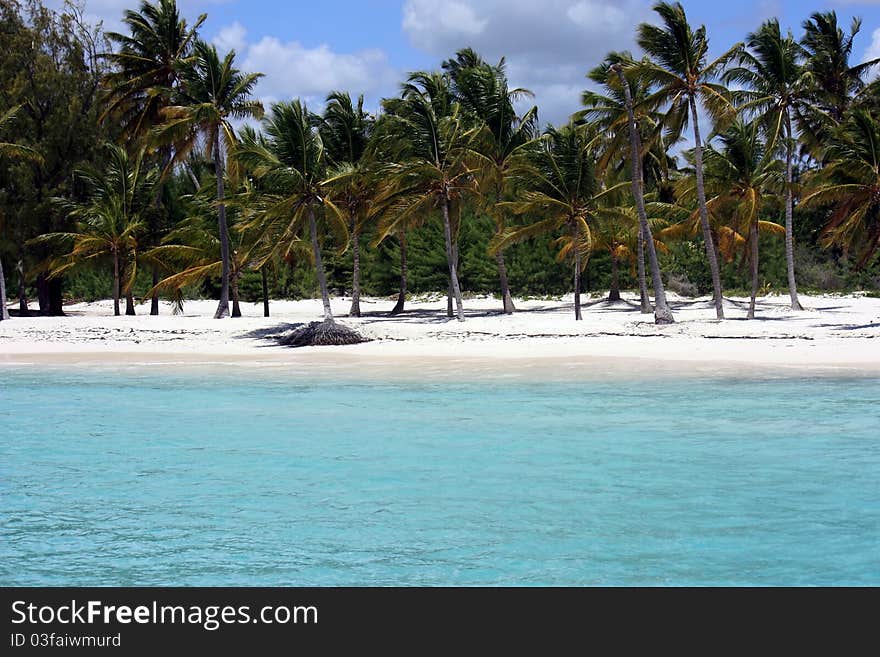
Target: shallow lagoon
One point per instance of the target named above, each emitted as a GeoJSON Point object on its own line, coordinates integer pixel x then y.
{"type": "Point", "coordinates": [265, 478]}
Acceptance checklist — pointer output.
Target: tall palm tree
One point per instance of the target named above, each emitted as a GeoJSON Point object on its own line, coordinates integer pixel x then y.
{"type": "Point", "coordinates": [292, 166]}
{"type": "Point", "coordinates": [677, 66]}
{"type": "Point", "coordinates": [213, 94]}
{"type": "Point", "coordinates": [829, 50]}
{"type": "Point", "coordinates": [145, 74]}
{"type": "Point", "coordinates": [10, 150]}
{"type": "Point", "coordinates": [850, 184]}
{"type": "Point", "coordinates": [434, 148]}
{"type": "Point", "coordinates": [110, 222]}
{"type": "Point", "coordinates": [607, 115]}
{"type": "Point", "coordinates": [662, 312]}
{"type": "Point", "coordinates": [484, 93]}
{"type": "Point", "coordinates": [778, 86]}
{"type": "Point", "coordinates": [345, 131]}
{"type": "Point", "coordinates": [738, 178]}
{"type": "Point", "coordinates": [560, 193]}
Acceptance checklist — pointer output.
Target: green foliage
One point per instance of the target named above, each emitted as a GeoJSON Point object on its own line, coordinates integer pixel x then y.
{"type": "Point", "coordinates": [450, 139]}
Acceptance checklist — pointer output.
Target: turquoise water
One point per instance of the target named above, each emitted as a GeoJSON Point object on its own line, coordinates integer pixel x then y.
{"type": "Point", "coordinates": [112, 478]}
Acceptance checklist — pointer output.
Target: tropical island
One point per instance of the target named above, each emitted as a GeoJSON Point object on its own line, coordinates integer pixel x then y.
{"type": "Point", "coordinates": [634, 342]}
{"type": "Point", "coordinates": [688, 191]}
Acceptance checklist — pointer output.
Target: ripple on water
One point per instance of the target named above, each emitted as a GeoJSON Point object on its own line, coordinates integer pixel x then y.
{"type": "Point", "coordinates": [196, 479]}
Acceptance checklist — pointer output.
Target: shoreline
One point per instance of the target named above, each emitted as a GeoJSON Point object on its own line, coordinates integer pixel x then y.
{"type": "Point", "coordinates": [835, 337]}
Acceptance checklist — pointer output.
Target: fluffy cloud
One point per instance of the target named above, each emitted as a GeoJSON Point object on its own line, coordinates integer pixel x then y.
{"type": "Point", "coordinates": [231, 37]}
{"type": "Point", "coordinates": [873, 52]}
{"type": "Point", "coordinates": [293, 70]}
{"type": "Point", "coordinates": [549, 45]}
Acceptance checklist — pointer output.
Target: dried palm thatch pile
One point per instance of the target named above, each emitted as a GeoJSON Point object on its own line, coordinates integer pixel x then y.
{"type": "Point", "coordinates": [326, 333]}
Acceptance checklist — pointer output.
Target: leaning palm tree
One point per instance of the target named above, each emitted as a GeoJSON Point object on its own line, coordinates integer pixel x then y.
{"type": "Point", "coordinates": [778, 86]}
{"type": "Point", "coordinates": [213, 94]}
{"type": "Point", "coordinates": [345, 130]}
{"type": "Point", "coordinates": [677, 66]}
{"type": "Point", "coordinates": [291, 166]}
{"type": "Point", "coordinates": [739, 178]}
{"type": "Point", "coordinates": [110, 223]}
{"type": "Point", "coordinates": [9, 150]}
{"type": "Point", "coordinates": [662, 312]}
{"type": "Point", "coordinates": [483, 92]}
{"type": "Point", "coordinates": [433, 149]}
{"type": "Point", "coordinates": [560, 193]}
{"type": "Point", "coordinates": [607, 116]}
{"type": "Point", "coordinates": [144, 75]}
{"type": "Point", "coordinates": [850, 185]}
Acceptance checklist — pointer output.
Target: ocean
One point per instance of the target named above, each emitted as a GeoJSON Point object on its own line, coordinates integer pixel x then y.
{"type": "Point", "coordinates": [236, 476]}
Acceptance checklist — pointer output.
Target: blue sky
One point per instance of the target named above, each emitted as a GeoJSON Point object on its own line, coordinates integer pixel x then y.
{"type": "Point", "coordinates": [367, 46]}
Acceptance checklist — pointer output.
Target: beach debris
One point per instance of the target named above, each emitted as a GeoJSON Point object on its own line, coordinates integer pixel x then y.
{"type": "Point", "coordinates": [326, 333]}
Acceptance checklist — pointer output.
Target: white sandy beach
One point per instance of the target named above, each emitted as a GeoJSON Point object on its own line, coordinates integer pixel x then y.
{"type": "Point", "coordinates": [833, 334]}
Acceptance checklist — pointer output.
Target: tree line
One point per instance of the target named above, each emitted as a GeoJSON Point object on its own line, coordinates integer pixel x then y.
{"type": "Point", "coordinates": [134, 154]}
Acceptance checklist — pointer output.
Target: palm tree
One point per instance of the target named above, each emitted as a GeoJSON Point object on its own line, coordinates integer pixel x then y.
{"type": "Point", "coordinates": [213, 94]}
{"type": "Point", "coordinates": [828, 51]}
{"type": "Point", "coordinates": [433, 147]}
{"type": "Point", "coordinates": [483, 92]}
{"type": "Point", "coordinates": [677, 66]}
{"type": "Point", "coordinates": [850, 184]}
{"type": "Point", "coordinates": [9, 150]}
{"type": "Point", "coordinates": [191, 252]}
{"type": "Point", "coordinates": [778, 86]}
{"type": "Point", "coordinates": [145, 74]}
{"type": "Point", "coordinates": [561, 192]}
{"type": "Point", "coordinates": [291, 164]}
{"type": "Point", "coordinates": [738, 178]}
{"type": "Point", "coordinates": [345, 131]}
{"type": "Point", "coordinates": [605, 115]}
{"type": "Point", "coordinates": [111, 222]}
{"type": "Point", "coordinates": [662, 312]}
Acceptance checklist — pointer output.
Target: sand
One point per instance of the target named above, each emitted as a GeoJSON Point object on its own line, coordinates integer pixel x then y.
{"type": "Point", "coordinates": [834, 334]}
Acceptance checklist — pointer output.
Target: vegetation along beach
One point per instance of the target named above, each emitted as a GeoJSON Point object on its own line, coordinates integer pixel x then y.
{"type": "Point", "coordinates": [656, 305]}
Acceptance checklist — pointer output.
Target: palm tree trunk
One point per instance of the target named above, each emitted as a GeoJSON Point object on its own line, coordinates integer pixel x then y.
{"type": "Point", "coordinates": [614, 292]}
{"type": "Point", "coordinates": [401, 297]}
{"type": "Point", "coordinates": [236, 308]}
{"type": "Point", "coordinates": [451, 258]}
{"type": "Point", "coordinates": [23, 310]}
{"type": "Point", "coordinates": [450, 294]}
{"type": "Point", "coordinates": [662, 312]}
{"type": "Point", "coordinates": [265, 292]}
{"type": "Point", "coordinates": [223, 306]}
{"type": "Point", "coordinates": [577, 281]}
{"type": "Point", "coordinates": [4, 311]}
{"type": "Point", "coordinates": [789, 203]}
{"type": "Point", "coordinates": [356, 271]}
{"type": "Point", "coordinates": [154, 227]}
{"type": "Point", "coordinates": [753, 243]}
{"type": "Point", "coordinates": [115, 284]}
{"type": "Point", "coordinates": [319, 266]}
{"type": "Point", "coordinates": [507, 301]}
{"type": "Point", "coordinates": [704, 214]}
{"type": "Point", "coordinates": [643, 279]}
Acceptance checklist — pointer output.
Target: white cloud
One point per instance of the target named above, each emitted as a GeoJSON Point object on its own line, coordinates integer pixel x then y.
{"type": "Point", "coordinates": [873, 52]}
{"type": "Point", "coordinates": [231, 37]}
{"type": "Point", "coordinates": [549, 45]}
{"type": "Point", "coordinates": [293, 70]}
{"type": "Point", "coordinates": [430, 22]}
